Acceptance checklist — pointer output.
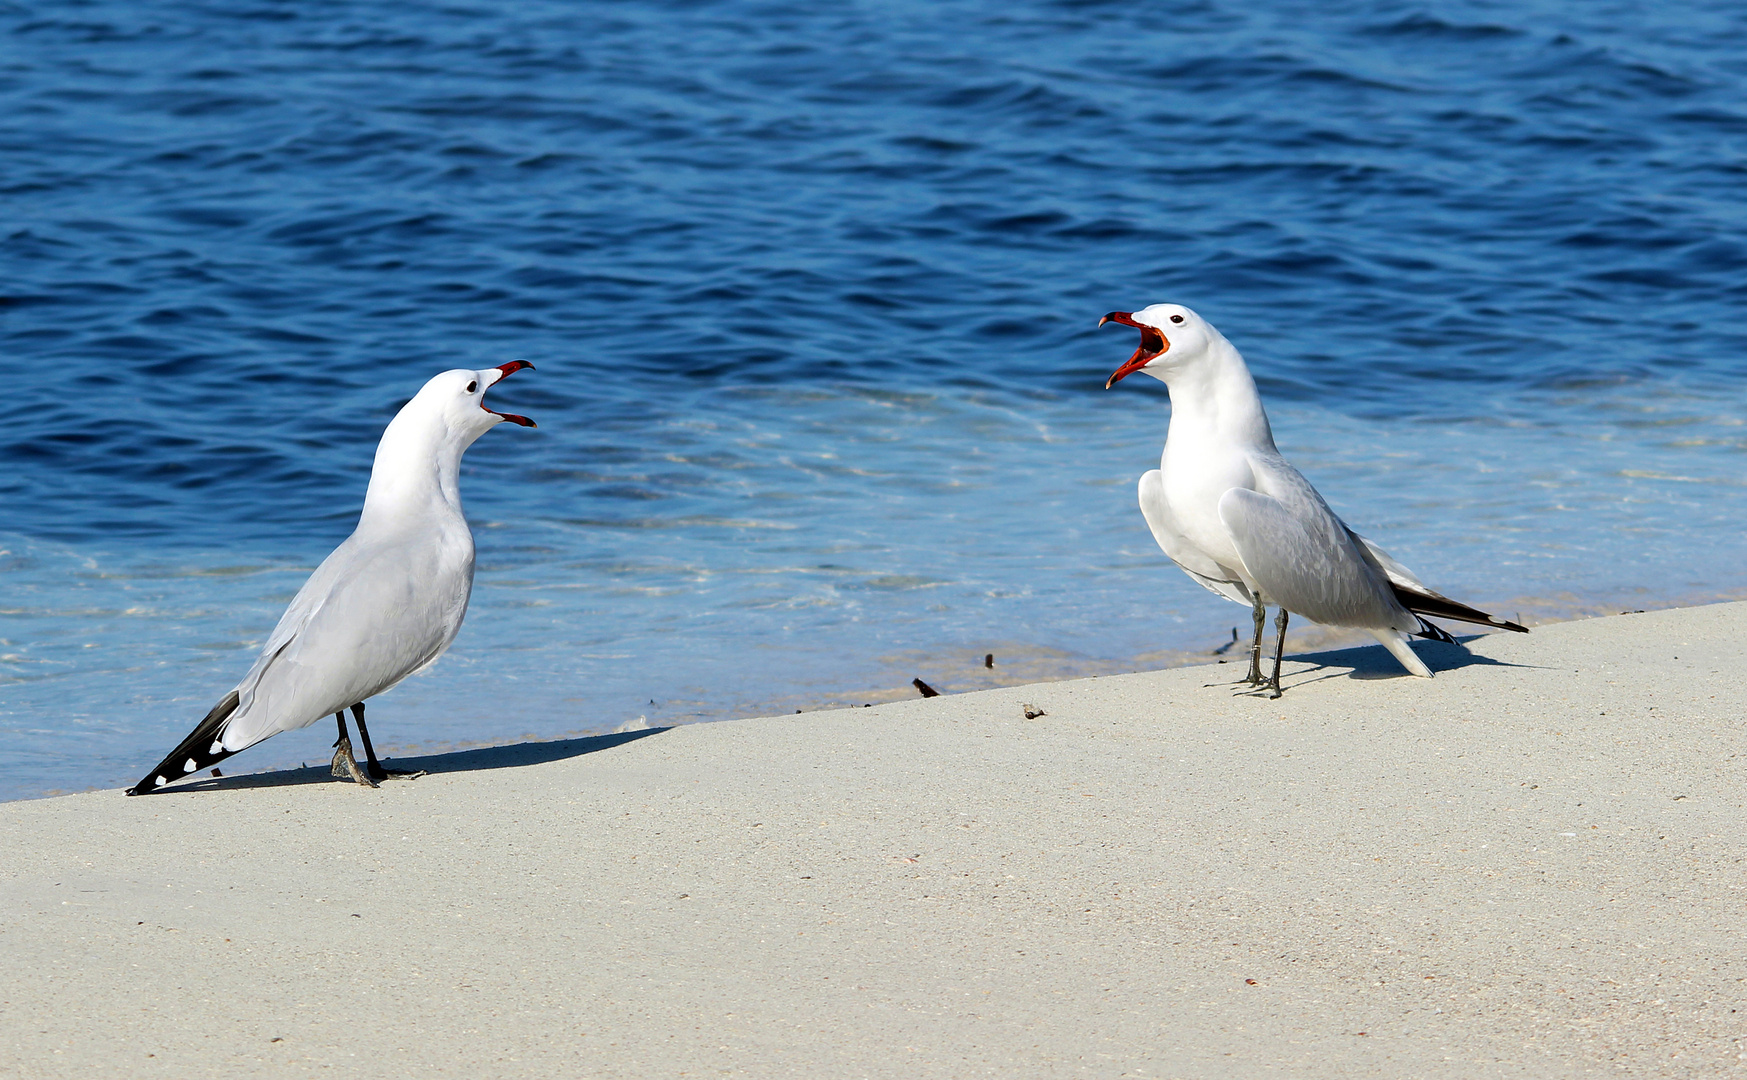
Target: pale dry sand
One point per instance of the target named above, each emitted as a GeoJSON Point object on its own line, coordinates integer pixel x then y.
{"type": "Point", "coordinates": [1530, 866]}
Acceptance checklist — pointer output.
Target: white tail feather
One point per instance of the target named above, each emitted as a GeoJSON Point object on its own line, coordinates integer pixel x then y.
{"type": "Point", "coordinates": [1396, 643]}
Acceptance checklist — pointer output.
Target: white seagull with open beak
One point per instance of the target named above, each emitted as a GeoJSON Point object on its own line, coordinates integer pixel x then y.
{"type": "Point", "coordinates": [382, 607]}
{"type": "Point", "coordinates": [1239, 519]}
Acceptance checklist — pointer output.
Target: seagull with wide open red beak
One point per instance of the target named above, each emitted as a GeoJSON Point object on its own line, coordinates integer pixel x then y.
{"type": "Point", "coordinates": [1241, 521]}
{"type": "Point", "coordinates": [382, 607]}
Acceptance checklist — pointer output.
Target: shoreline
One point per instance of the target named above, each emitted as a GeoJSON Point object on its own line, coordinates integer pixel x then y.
{"type": "Point", "coordinates": [953, 672]}
{"type": "Point", "coordinates": [883, 677]}
{"type": "Point", "coordinates": [1526, 866]}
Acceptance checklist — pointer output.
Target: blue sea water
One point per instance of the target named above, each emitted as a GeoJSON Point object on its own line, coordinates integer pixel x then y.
{"type": "Point", "coordinates": [812, 293]}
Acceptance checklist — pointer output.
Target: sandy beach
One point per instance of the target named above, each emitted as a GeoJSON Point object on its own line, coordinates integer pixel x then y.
{"type": "Point", "coordinates": [1529, 866]}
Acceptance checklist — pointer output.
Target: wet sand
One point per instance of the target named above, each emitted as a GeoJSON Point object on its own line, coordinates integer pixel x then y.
{"type": "Point", "coordinates": [1528, 866]}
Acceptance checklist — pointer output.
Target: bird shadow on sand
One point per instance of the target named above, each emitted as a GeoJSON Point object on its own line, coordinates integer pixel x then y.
{"type": "Point", "coordinates": [1374, 662]}
{"type": "Point", "coordinates": [513, 756]}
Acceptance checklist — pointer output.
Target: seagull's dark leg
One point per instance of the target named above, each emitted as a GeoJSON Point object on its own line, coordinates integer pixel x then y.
{"type": "Point", "coordinates": [1279, 650]}
{"type": "Point", "coordinates": [376, 769]}
{"type": "Point", "coordinates": [1254, 678]}
{"type": "Point", "coordinates": [377, 772]}
{"type": "Point", "coordinates": [345, 766]}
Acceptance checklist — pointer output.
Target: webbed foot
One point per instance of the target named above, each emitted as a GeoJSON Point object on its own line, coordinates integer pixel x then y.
{"type": "Point", "coordinates": [346, 767]}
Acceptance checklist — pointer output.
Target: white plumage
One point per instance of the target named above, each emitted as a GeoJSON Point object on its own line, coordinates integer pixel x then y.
{"type": "Point", "coordinates": [1240, 520]}
{"type": "Point", "coordinates": [386, 603]}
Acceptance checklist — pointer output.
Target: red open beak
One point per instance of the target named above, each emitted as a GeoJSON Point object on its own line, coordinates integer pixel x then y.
{"type": "Point", "coordinates": [1152, 344]}
{"type": "Point", "coordinates": [510, 369]}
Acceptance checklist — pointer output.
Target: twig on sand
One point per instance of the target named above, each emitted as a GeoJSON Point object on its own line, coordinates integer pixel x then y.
{"type": "Point", "coordinates": [1221, 651]}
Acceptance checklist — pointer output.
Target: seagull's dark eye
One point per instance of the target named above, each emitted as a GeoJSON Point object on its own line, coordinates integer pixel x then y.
{"type": "Point", "coordinates": [472, 386]}
{"type": "Point", "coordinates": [1176, 318]}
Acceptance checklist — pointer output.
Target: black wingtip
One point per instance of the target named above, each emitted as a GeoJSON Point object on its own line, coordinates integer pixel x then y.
{"type": "Point", "coordinates": [1434, 632]}
{"type": "Point", "coordinates": [193, 753]}
{"type": "Point", "coordinates": [1442, 607]}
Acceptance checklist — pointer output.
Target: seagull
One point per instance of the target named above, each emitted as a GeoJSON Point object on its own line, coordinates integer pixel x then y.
{"type": "Point", "coordinates": [382, 607]}
{"type": "Point", "coordinates": [1241, 521]}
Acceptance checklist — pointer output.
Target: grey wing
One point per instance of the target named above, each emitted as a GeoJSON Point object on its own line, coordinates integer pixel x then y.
{"type": "Point", "coordinates": [1302, 558]}
{"type": "Point", "coordinates": [1399, 576]}
{"type": "Point", "coordinates": [1200, 566]}
{"type": "Point", "coordinates": [1420, 598]}
{"type": "Point", "coordinates": [368, 629]}
{"type": "Point", "coordinates": [303, 607]}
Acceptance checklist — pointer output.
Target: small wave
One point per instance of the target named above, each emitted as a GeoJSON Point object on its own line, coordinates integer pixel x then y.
{"type": "Point", "coordinates": [1430, 27]}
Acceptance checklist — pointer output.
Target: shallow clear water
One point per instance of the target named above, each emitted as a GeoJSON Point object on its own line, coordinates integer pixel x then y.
{"type": "Point", "coordinates": [812, 296]}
